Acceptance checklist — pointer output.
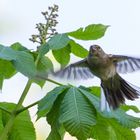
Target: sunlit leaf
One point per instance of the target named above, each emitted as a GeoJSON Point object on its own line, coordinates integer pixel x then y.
{"type": "Point", "coordinates": [62, 55]}
{"type": "Point", "coordinates": [130, 107]}
{"type": "Point", "coordinates": [91, 32]}
{"type": "Point", "coordinates": [18, 47]}
{"type": "Point", "coordinates": [78, 50]}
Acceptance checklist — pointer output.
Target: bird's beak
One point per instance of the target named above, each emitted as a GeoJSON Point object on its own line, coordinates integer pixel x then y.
{"type": "Point", "coordinates": [93, 48]}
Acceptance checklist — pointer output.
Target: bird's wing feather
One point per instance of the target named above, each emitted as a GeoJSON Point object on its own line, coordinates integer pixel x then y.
{"type": "Point", "coordinates": [126, 64]}
{"type": "Point", "coordinates": [78, 70]}
{"type": "Point", "coordinates": [104, 106]}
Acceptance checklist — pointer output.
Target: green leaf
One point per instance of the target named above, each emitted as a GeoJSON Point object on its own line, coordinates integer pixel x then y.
{"type": "Point", "coordinates": [77, 114]}
{"type": "Point", "coordinates": [7, 70]}
{"type": "Point", "coordinates": [95, 90]}
{"type": "Point", "coordinates": [120, 132]}
{"type": "Point", "coordinates": [125, 119]}
{"type": "Point", "coordinates": [62, 55]}
{"type": "Point", "coordinates": [44, 66]}
{"type": "Point", "coordinates": [7, 53]}
{"type": "Point", "coordinates": [47, 102]}
{"type": "Point", "coordinates": [91, 32]}
{"type": "Point", "coordinates": [23, 128]}
{"type": "Point", "coordinates": [43, 49]}
{"type": "Point", "coordinates": [102, 131]}
{"type": "Point", "coordinates": [110, 129]}
{"type": "Point", "coordinates": [18, 47]}
{"type": "Point", "coordinates": [22, 61]}
{"type": "Point", "coordinates": [120, 115]}
{"type": "Point", "coordinates": [57, 129]}
{"type": "Point", "coordinates": [130, 107]}
{"type": "Point", "coordinates": [1, 122]}
{"type": "Point", "coordinates": [78, 50]}
{"type": "Point", "coordinates": [58, 41]}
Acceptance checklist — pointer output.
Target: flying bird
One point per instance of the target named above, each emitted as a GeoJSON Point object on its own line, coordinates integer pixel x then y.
{"type": "Point", "coordinates": [106, 67]}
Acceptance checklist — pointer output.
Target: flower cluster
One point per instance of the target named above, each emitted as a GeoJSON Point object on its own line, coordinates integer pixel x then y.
{"type": "Point", "coordinates": [46, 30]}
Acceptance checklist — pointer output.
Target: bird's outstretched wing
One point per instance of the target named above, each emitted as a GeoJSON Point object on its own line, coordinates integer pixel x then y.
{"type": "Point", "coordinates": [78, 70]}
{"type": "Point", "coordinates": [126, 64]}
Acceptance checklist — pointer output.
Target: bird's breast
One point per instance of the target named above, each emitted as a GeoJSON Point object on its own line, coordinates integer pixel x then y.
{"type": "Point", "coordinates": [103, 70]}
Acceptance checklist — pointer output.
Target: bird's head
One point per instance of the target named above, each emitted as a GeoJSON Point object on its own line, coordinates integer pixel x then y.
{"type": "Point", "coordinates": [96, 50]}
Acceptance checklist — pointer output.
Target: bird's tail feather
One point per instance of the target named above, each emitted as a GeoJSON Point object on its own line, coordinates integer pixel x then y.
{"type": "Point", "coordinates": [116, 89]}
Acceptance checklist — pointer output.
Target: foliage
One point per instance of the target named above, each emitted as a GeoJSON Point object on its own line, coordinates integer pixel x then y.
{"type": "Point", "coordinates": [22, 128]}
{"type": "Point", "coordinates": [67, 108]}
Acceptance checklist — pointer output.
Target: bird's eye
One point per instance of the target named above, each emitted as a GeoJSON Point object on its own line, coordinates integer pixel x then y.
{"type": "Point", "coordinates": [99, 48]}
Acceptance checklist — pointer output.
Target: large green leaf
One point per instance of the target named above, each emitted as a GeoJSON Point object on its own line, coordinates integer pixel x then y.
{"type": "Point", "coordinates": [110, 129]}
{"type": "Point", "coordinates": [77, 114]}
{"type": "Point", "coordinates": [58, 41]}
{"type": "Point", "coordinates": [78, 50]}
{"type": "Point", "coordinates": [47, 102]}
{"type": "Point", "coordinates": [102, 131]}
{"type": "Point", "coordinates": [23, 128]}
{"type": "Point", "coordinates": [121, 133]}
{"type": "Point", "coordinates": [57, 129]}
{"type": "Point", "coordinates": [120, 115]}
{"type": "Point", "coordinates": [62, 55]}
{"type": "Point", "coordinates": [91, 32]}
{"type": "Point", "coordinates": [22, 61]}
{"type": "Point", "coordinates": [125, 119]}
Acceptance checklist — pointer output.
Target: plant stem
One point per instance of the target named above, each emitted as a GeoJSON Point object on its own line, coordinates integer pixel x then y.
{"type": "Point", "coordinates": [28, 85]}
{"type": "Point", "coordinates": [52, 81]}
{"type": "Point", "coordinates": [49, 80]}
{"type": "Point", "coordinates": [27, 107]}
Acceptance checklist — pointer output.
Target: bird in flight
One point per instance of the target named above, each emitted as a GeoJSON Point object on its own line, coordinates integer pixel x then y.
{"type": "Point", "coordinates": [106, 67]}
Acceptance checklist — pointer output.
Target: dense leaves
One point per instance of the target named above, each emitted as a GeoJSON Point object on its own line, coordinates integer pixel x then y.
{"type": "Point", "coordinates": [120, 115]}
{"type": "Point", "coordinates": [110, 129]}
{"type": "Point", "coordinates": [91, 32]}
{"type": "Point", "coordinates": [23, 127]}
{"type": "Point", "coordinates": [78, 111]}
{"type": "Point", "coordinates": [75, 110]}
{"type": "Point", "coordinates": [62, 55]}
